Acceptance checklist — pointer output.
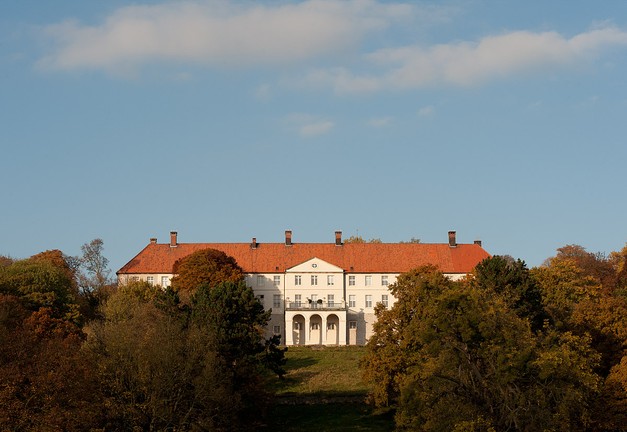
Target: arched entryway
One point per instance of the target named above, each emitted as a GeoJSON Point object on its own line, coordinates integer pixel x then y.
{"type": "Point", "coordinates": [332, 330]}
{"type": "Point", "coordinates": [298, 330]}
{"type": "Point", "coordinates": [315, 330]}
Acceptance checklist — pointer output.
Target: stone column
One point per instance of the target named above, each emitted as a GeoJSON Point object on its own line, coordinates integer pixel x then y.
{"type": "Point", "coordinates": [289, 329]}
{"type": "Point", "coordinates": [307, 330]}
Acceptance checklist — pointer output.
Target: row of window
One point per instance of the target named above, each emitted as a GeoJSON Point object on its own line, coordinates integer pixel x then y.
{"type": "Point", "coordinates": [298, 280]}
{"type": "Point", "coordinates": [352, 300]}
{"type": "Point", "coordinates": [165, 280]}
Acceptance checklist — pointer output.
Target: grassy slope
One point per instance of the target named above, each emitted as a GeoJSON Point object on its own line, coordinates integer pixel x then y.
{"type": "Point", "coordinates": [323, 391]}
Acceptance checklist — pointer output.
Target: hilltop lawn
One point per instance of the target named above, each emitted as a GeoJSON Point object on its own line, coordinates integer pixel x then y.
{"type": "Point", "coordinates": [323, 391]}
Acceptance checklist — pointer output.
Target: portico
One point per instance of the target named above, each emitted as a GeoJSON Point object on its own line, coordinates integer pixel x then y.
{"type": "Point", "coordinates": [315, 326]}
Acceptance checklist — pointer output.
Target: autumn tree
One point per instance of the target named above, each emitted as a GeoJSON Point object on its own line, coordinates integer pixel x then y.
{"type": "Point", "coordinates": [596, 265]}
{"type": "Point", "coordinates": [463, 356]}
{"type": "Point", "coordinates": [206, 266]}
{"type": "Point", "coordinates": [46, 382]}
{"type": "Point", "coordinates": [170, 365]}
{"type": "Point", "coordinates": [510, 279]}
{"type": "Point", "coordinates": [388, 356]}
{"type": "Point", "coordinates": [39, 283]}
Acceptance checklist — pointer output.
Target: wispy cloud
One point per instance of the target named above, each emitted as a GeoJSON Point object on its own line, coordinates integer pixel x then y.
{"type": "Point", "coordinates": [426, 111]}
{"type": "Point", "coordinates": [217, 33]}
{"type": "Point", "coordinates": [467, 63]}
{"type": "Point", "coordinates": [380, 122]}
{"type": "Point", "coordinates": [307, 125]}
{"type": "Point", "coordinates": [309, 34]}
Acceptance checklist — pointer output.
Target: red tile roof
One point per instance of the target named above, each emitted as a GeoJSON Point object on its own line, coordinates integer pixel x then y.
{"type": "Point", "coordinates": [352, 257]}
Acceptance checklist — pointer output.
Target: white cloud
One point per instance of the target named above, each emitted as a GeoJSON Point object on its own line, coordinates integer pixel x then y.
{"type": "Point", "coordinates": [218, 33]}
{"type": "Point", "coordinates": [426, 111]}
{"type": "Point", "coordinates": [315, 129]}
{"type": "Point", "coordinates": [307, 125]}
{"type": "Point", "coordinates": [468, 63]}
{"type": "Point", "coordinates": [380, 122]}
{"type": "Point", "coordinates": [263, 92]}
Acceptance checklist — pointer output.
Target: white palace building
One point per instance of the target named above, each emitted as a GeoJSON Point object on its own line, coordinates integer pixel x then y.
{"type": "Point", "coordinates": [319, 293]}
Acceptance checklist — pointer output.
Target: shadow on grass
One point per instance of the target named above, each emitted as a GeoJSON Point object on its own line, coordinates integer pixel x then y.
{"type": "Point", "coordinates": [330, 417]}
{"type": "Point", "coordinates": [299, 363]}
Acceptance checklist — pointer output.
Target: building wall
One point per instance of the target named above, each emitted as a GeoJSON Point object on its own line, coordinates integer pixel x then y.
{"type": "Point", "coordinates": [279, 291]}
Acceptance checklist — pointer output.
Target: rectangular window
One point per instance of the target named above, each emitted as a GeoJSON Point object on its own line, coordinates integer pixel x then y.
{"type": "Point", "coordinates": [351, 281]}
{"type": "Point", "coordinates": [297, 300]}
{"type": "Point", "coordinates": [297, 280]}
{"type": "Point", "coordinates": [276, 300]}
{"type": "Point", "coordinates": [352, 301]}
{"type": "Point", "coordinates": [368, 300]}
{"type": "Point", "coordinates": [368, 280]}
{"type": "Point", "coordinates": [277, 280]}
{"type": "Point", "coordinates": [165, 281]}
{"type": "Point", "coordinates": [331, 326]}
{"type": "Point", "coordinates": [314, 298]}
{"type": "Point", "coordinates": [352, 325]}
{"type": "Point", "coordinates": [314, 279]}
{"type": "Point", "coordinates": [135, 278]}
{"type": "Point", "coordinates": [276, 330]}
{"type": "Point", "coordinates": [384, 299]}
{"type": "Point", "coordinates": [329, 279]}
{"type": "Point", "coordinates": [150, 280]}
{"type": "Point", "coordinates": [260, 280]}
{"type": "Point", "coordinates": [315, 326]}
{"type": "Point", "coordinates": [331, 300]}
{"type": "Point", "coordinates": [384, 280]}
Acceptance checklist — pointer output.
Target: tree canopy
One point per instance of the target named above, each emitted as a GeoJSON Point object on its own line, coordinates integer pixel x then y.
{"type": "Point", "coordinates": [206, 266]}
{"type": "Point", "coordinates": [481, 354]}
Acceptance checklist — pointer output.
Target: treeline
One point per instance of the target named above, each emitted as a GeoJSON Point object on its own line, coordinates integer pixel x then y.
{"type": "Point", "coordinates": [78, 353]}
{"type": "Point", "coordinates": [507, 348]}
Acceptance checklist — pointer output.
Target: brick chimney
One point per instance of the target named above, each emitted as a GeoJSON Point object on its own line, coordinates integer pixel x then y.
{"type": "Point", "coordinates": [153, 240]}
{"type": "Point", "coordinates": [173, 239]}
{"type": "Point", "coordinates": [253, 244]}
{"type": "Point", "coordinates": [478, 242]}
{"type": "Point", "coordinates": [338, 238]}
{"type": "Point", "coordinates": [452, 242]}
{"type": "Point", "coordinates": [288, 238]}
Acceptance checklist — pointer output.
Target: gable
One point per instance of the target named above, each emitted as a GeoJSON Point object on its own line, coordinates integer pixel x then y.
{"type": "Point", "coordinates": [315, 265]}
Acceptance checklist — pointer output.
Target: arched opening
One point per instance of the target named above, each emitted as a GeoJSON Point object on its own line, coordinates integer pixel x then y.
{"type": "Point", "coordinates": [315, 330]}
{"type": "Point", "coordinates": [298, 330]}
{"type": "Point", "coordinates": [333, 329]}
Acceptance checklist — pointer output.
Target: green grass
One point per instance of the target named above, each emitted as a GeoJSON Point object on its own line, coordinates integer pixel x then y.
{"type": "Point", "coordinates": [323, 390]}
{"type": "Point", "coordinates": [323, 371]}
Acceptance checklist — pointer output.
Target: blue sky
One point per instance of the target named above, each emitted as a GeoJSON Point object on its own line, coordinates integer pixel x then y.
{"type": "Point", "coordinates": [227, 120]}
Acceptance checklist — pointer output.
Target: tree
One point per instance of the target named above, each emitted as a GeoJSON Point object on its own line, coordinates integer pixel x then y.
{"type": "Point", "coordinates": [360, 239]}
{"type": "Point", "coordinates": [97, 274]}
{"type": "Point", "coordinates": [595, 265]}
{"type": "Point", "coordinates": [511, 279]}
{"type": "Point", "coordinates": [206, 266]}
{"type": "Point", "coordinates": [168, 365]}
{"type": "Point", "coordinates": [564, 285]}
{"type": "Point", "coordinates": [39, 282]}
{"type": "Point", "coordinates": [461, 355]}
{"type": "Point", "coordinates": [413, 240]}
{"type": "Point", "coordinates": [388, 356]}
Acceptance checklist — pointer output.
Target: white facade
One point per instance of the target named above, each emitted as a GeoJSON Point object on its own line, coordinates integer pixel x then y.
{"type": "Point", "coordinates": [319, 293]}
{"type": "Point", "coordinates": [314, 303]}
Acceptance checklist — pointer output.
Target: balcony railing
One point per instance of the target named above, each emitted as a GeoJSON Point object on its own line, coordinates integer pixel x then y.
{"type": "Point", "coordinates": [318, 305]}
